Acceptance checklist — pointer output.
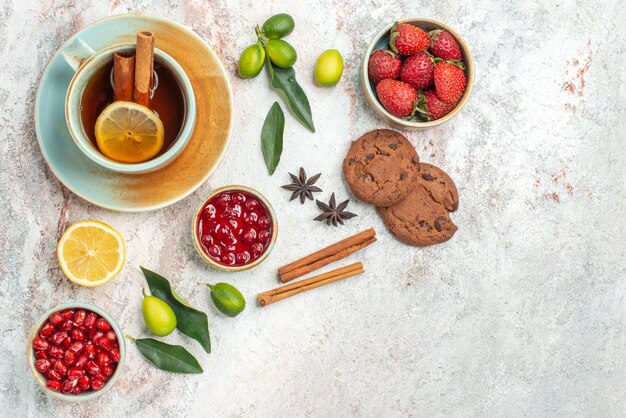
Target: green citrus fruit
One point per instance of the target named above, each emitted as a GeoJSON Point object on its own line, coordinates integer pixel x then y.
{"type": "Point", "coordinates": [329, 68]}
{"type": "Point", "coordinates": [281, 53]}
{"type": "Point", "coordinates": [251, 61]}
{"type": "Point", "coordinates": [227, 299]}
{"type": "Point", "coordinates": [278, 26]}
{"type": "Point", "coordinates": [159, 316]}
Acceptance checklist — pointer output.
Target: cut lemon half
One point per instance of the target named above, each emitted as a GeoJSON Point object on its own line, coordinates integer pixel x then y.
{"type": "Point", "coordinates": [91, 253]}
{"type": "Point", "coordinates": [129, 132]}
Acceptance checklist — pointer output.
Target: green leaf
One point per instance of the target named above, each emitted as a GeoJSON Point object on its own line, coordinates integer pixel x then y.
{"type": "Point", "coordinates": [172, 358]}
{"type": "Point", "coordinates": [284, 79]}
{"type": "Point", "coordinates": [190, 321]}
{"type": "Point", "coordinates": [272, 137]}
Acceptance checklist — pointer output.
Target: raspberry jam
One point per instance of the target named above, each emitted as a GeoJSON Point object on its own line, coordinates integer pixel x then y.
{"type": "Point", "coordinates": [76, 351]}
{"type": "Point", "coordinates": [234, 228]}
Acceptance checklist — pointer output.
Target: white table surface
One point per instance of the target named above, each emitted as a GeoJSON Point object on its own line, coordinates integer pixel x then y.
{"type": "Point", "coordinates": [522, 313]}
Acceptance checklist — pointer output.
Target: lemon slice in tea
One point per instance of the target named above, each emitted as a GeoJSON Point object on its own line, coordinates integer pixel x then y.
{"type": "Point", "coordinates": [91, 253]}
{"type": "Point", "coordinates": [129, 132]}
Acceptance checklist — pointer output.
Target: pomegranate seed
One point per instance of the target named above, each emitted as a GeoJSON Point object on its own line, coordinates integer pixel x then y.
{"type": "Point", "coordinates": [82, 360]}
{"type": "Point", "coordinates": [79, 317]}
{"type": "Point", "coordinates": [90, 351]}
{"type": "Point", "coordinates": [69, 314]}
{"type": "Point", "coordinates": [58, 337]}
{"type": "Point", "coordinates": [54, 385]}
{"type": "Point", "coordinates": [69, 358]}
{"type": "Point", "coordinates": [107, 370]}
{"type": "Point", "coordinates": [90, 320]}
{"type": "Point", "coordinates": [97, 384]}
{"type": "Point", "coordinates": [42, 365]}
{"type": "Point", "coordinates": [92, 367]}
{"type": "Point", "coordinates": [104, 343]}
{"type": "Point", "coordinates": [60, 367]}
{"type": "Point", "coordinates": [76, 347]}
{"type": "Point", "coordinates": [40, 344]}
{"type": "Point", "coordinates": [55, 351]}
{"type": "Point", "coordinates": [111, 336]}
{"type": "Point", "coordinates": [84, 381]}
{"type": "Point", "coordinates": [115, 355]}
{"type": "Point", "coordinates": [75, 373]}
{"type": "Point", "coordinates": [67, 343]}
{"type": "Point", "coordinates": [41, 354]}
{"type": "Point", "coordinates": [67, 326]}
{"type": "Point", "coordinates": [46, 330]}
{"type": "Point", "coordinates": [104, 359]}
{"type": "Point", "coordinates": [68, 386]}
{"type": "Point", "coordinates": [100, 376]}
{"type": "Point", "coordinates": [77, 390]}
{"type": "Point", "coordinates": [77, 334]}
{"type": "Point", "coordinates": [56, 319]}
{"type": "Point", "coordinates": [103, 325]}
{"type": "Point", "coordinates": [94, 335]}
{"type": "Point", "coordinates": [52, 374]}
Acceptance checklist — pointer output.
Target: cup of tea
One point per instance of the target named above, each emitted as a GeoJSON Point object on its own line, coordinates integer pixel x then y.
{"type": "Point", "coordinates": [91, 91]}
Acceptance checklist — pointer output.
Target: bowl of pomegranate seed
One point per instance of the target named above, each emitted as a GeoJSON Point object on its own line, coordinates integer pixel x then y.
{"type": "Point", "coordinates": [234, 228]}
{"type": "Point", "coordinates": [76, 351]}
{"type": "Point", "coordinates": [417, 73]}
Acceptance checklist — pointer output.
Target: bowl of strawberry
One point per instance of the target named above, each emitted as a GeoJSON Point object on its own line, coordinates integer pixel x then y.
{"type": "Point", "coordinates": [417, 73]}
{"type": "Point", "coordinates": [76, 351]}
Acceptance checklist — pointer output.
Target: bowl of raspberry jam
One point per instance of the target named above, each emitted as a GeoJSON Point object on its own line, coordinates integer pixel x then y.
{"type": "Point", "coordinates": [234, 228]}
{"type": "Point", "coordinates": [76, 351]}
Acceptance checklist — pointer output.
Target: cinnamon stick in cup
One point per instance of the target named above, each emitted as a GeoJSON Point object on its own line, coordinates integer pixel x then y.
{"type": "Point", "coordinates": [144, 64]}
{"type": "Point", "coordinates": [123, 76]}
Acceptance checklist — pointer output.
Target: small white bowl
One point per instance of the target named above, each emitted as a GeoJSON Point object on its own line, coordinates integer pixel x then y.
{"type": "Point", "coordinates": [381, 41]}
{"type": "Point", "coordinates": [40, 378]}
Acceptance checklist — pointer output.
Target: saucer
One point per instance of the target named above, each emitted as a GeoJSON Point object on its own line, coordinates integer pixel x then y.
{"type": "Point", "coordinates": [138, 192]}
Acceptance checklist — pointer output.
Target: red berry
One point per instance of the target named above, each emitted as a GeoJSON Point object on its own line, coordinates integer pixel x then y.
{"type": "Point", "coordinates": [264, 236]}
{"type": "Point", "coordinates": [103, 343]}
{"type": "Point", "coordinates": [406, 39]}
{"type": "Point", "coordinates": [252, 204]}
{"type": "Point", "coordinates": [431, 107]}
{"type": "Point", "coordinates": [92, 368]}
{"type": "Point", "coordinates": [103, 325]}
{"type": "Point", "coordinates": [79, 317]}
{"type": "Point", "coordinates": [250, 236]}
{"type": "Point", "coordinates": [264, 222]}
{"type": "Point", "coordinates": [115, 355]}
{"type": "Point", "coordinates": [60, 367]}
{"type": "Point", "coordinates": [397, 97]}
{"type": "Point", "coordinates": [383, 64]}
{"type": "Point", "coordinates": [42, 365]}
{"type": "Point", "coordinates": [449, 82]}
{"type": "Point", "coordinates": [46, 330]}
{"type": "Point", "coordinates": [56, 319]}
{"type": "Point", "coordinates": [77, 334]}
{"type": "Point", "coordinates": [90, 320]}
{"type": "Point", "coordinates": [242, 257]}
{"type": "Point", "coordinates": [68, 386]}
{"type": "Point", "coordinates": [75, 373]}
{"type": "Point", "coordinates": [257, 249]}
{"type": "Point", "coordinates": [444, 46]}
{"type": "Point", "coordinates": [84, 381]}
{"type": "Point", "coordinates": [417, 70]}
{"type": "Point", "coordinates": [58, 337]}
{"type": "Point", "coordinates": [54, 385]}
{"type": "Point", "coordinates": [56, 351]}
{"type": "Point", "coordinates": [40, 344]}
{"type": "Point", "coordinates": [41, 354]}
{"type": "Point", "coordinates": [97, 384]}
{"type": "Point", "coordinates": [110, 335]}
{"type": "Point", "coordinates": [69, 358]}
{"type": "Point", "coordinates": [228, 258]}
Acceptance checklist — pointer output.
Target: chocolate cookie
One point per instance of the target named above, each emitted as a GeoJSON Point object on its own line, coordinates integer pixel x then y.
{"type": "Point", "coordinates": [380, 167]}
{"type": "Point", "coordinates": [423, 218]}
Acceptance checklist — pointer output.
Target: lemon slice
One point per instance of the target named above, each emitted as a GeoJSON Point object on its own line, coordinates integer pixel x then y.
{"type": "Point", "coordinates": [129, 132]}
{"type": "Point", "coordinates": [91, 253]}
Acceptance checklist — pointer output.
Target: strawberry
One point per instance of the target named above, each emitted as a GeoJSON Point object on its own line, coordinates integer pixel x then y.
{"type": "Point", "coordinates": [397, 97]}
{"type": "Point", "coordinates": [431, 107]}
{"type": "Point", "coordinates": [449, 81]}
{"type": "Point", "coordinates": [444, 46]}
{"type": "Point", "coordinates": [406, 39]}
{"type": "Point", "coordinates": [417, 70]}
{"type": "Point", "coordinates": [383, 64]}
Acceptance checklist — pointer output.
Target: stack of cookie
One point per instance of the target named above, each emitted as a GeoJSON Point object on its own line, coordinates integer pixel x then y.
{"type": "Point", "coordinates": [414, 199]}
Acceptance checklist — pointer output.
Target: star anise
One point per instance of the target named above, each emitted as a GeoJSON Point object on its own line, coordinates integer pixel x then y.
{"type": "Point", "coordinates": [333, 213]}
{"type": "Point", "coordinates": [302, 187]}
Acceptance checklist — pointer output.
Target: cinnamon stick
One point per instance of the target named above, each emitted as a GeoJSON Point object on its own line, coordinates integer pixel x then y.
{"type": "Point", "coordinates": [123, 75]}
{"type": "Point", "coordinates": [144, 64]}
{"type": "Point", "coordinates": [327, 255]}
{"type": "Point", "coordinates": [278, 294]}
